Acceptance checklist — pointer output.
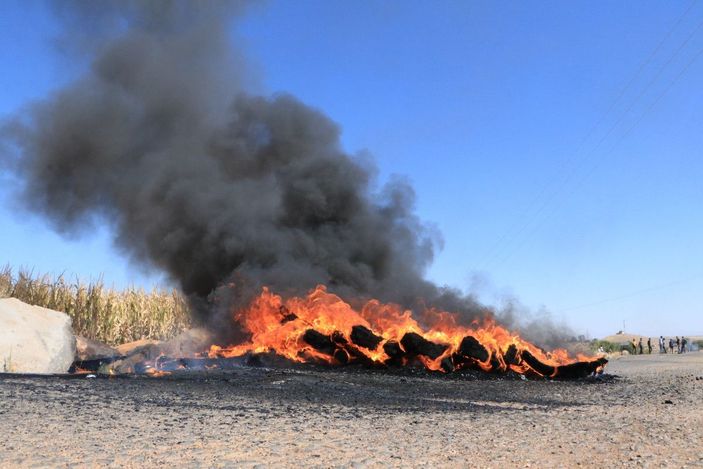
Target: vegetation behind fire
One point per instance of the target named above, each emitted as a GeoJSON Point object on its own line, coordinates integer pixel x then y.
{"type": "Point", "coordinates": [102, 313]}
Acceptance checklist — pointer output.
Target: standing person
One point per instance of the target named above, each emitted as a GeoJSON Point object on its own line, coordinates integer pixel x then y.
{"type": "Point", "coordinates": [662, 344]}
{"type": "Point", "coordinates": [634, 347]}
{"type": "Point", "coordinates": [671, 345]}
{"type": "Point", "coordinates": [678, 345]}
{"type": "Point", "coordinates": [641, 348]}
{"type": "Point", "coordinates": [683, 344]}
{"type": "Point", "coordinates": [649, 345]}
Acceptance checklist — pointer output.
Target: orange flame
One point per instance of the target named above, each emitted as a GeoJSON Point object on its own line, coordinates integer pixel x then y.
{"type": "Point", "coordinates": [279, 326]}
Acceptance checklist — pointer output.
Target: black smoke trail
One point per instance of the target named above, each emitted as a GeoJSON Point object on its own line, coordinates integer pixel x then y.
{"type": "Point", "coordinates": [160, 139]}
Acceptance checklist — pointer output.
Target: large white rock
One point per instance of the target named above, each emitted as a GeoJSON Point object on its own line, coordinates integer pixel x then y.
{"type": "Point", "coordinates": [34, 339]}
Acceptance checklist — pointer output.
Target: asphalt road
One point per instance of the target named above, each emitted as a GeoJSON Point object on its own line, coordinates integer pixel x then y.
{"type": "Point", "coordinates": [651, 414]}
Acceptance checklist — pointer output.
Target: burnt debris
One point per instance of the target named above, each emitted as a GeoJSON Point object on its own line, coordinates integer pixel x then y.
{"type": "Point", "coordinates": [415, 344]}
{"type": "Point", "coordinates": [364, 337]}
{"type": "Point", "coordinates": [472, 348]}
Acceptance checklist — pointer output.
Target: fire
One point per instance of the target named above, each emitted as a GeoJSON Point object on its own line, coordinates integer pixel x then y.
{"type": "Point", "coordinates": [323, 328]}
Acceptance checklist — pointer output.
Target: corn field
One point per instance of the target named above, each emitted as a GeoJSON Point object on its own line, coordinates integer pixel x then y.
{"type": "Point", "coordinates": [101, 313]}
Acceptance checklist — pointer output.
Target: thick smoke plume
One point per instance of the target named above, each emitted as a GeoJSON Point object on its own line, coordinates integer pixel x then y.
{"type": "Point", "coordinates": [208, 183]}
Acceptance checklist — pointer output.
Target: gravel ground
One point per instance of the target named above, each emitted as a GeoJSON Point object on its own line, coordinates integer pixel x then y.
{"type": "Point", "coordinates": [650, 415]}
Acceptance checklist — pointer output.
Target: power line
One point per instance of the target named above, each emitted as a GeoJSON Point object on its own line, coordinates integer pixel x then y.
{"type": "Point", "coordinates": [508, 236]}
{"type": "Point", "coordinates": [563, 183]}
{"type": "Point", "coordinates": [634, 293]}
{"type": "Point", "coordinates": [585, 176]}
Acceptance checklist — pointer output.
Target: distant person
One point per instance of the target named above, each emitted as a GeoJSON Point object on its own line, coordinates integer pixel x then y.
{"type": "Point", "coordinates": [683, 344]}
{"type": "Point", "coordinates": [634, 347]}
{"type": "Point", "coordinates": [662, 344]}
{"type": "Point", "coordinates": [678, 345]}
{"type": "Point", "coordinates": [640, 346]}
{"type": "Point", "coordinates": [649, 345]}
{"type": "Point", "coordinates": [671, 345]}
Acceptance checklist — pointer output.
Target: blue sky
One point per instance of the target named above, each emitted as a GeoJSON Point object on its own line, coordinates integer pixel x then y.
{"type": "Point", "coordinates": [556, 145]}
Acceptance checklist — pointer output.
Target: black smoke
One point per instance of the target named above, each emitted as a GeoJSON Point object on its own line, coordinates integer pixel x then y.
{"type": "Point", "coordinates": [205, 181]}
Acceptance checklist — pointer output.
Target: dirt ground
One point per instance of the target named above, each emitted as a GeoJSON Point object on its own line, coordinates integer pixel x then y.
{"type": "Point", "coordinates": [650, 416]}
